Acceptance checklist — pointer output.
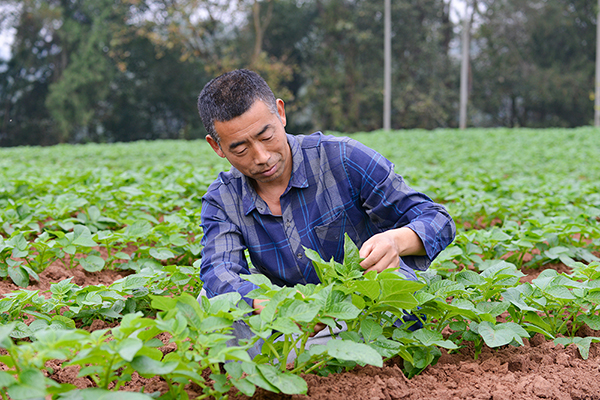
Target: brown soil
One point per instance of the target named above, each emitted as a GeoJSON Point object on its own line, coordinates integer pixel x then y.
{"type": "Point", "coordinates": [537, 370]}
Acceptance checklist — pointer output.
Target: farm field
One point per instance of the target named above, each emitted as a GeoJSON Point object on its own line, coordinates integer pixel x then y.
{"type": "Point", "coordinates": [98, 279]}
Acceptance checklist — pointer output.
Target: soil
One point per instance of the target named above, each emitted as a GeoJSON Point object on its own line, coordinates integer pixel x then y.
{"type": "Point", "coordinates": [537, 370]}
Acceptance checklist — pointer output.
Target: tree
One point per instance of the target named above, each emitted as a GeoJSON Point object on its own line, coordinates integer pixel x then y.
{"type": "Point", "coordinates": [344, 65]}
{"type": "Point", "coordinates": [85, 70]}
{"type": "Point", "coordinates": [536, 63]}
{"type": "Point", "coordinates": [81, 84]}
{"type": "Point", "coordinates": [27, 75]}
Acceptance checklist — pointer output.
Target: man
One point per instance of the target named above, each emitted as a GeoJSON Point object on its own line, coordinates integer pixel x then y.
{"type": "Point", "coordinates": [284, 193]}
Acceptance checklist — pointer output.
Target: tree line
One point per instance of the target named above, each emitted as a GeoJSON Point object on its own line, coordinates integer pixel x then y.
{"type": "Point", "coordinates": [123, 70]}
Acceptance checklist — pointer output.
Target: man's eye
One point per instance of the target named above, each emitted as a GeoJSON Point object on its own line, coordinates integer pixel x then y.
{"type": "Point", "coordinates": [240, 152]}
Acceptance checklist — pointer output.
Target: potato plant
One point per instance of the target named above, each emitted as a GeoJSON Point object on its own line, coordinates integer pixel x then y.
{"type": "Point", "coordinates": [106, 207]}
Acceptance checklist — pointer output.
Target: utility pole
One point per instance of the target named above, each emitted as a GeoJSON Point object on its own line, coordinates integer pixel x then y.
{"type": "Point", "coordinates": [597, 94]}
{"type": "Point", "coordinates": [387, 66]}
{"type": "Point", "coordinates": [464, 67]}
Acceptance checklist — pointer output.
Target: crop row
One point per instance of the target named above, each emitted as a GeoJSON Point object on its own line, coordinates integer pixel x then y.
{"type": "Point", "coordinates": [491, 307]}
{"type": "Point", "coordinates": [136, 207]}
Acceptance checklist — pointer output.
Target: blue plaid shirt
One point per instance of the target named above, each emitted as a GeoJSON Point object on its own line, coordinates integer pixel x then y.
{"type": "Point", "coordinates": [337, 185]}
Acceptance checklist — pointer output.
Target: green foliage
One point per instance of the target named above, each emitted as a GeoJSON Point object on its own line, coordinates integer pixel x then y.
{"type": "Point", "coordinates": [98, 207]}
{"type": "Point", "coordinates": [110, 71]}
{"type": "Point", "coordinates": [535, 63]}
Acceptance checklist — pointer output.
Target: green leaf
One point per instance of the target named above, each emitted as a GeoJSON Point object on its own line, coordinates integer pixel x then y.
{"type": "Point", "coordinates": [148, 367]}
{"type": "Point", "coordinates": [102, 394]}
{"type": "Point", "coordinates": [300, 311]}
{"type": "Point", "coordinates": [287, 383]}
{"type": "Point", "coordinates": [593, 321]}
{"type": "Point", "coordinates": [430, 338]}
{"type": "Point", "coordinates": [398, 293]}
{"type": "Point", "coordinates": [21, 331]}
{"type": "Point", "coordinates": [129, 347]}
{"type": "Point", "coordinates": [470, 278]}
{"type": "Point", "coordinates": [371, 289]}
{"type": "Point", "coordinates": [19, 276]}
{"type": "Point", "coordinates": [535, 319]}
{"type": "Point", "coordinates": [583, 344]}
{"type": "Point", "coordinates": [385, 347]}
{"type": "Point", "coordinates": [351, 351]}
{"type": "Point", "coordinates": [257, 378]}
{"type": "Point", "coordinates": [423, 297]}
{"type": "Point", "coordinates": [494, 308]}
{"type": "Point", "coordinates": [61, 322]}
{"type": "Point", "coordinates": [138, 229]}
{"type": "Point", "coordinates": [259, 280]}
{"type": "Point", "coordinates": [513, 295]}
{"type": "Point", "coordinates": [6, 379]}
{"type": "Point", "coordinates": [92, 263]}
{"type": "Point", "coordinates": [370, 329]}
{"type": "Point", "coordinates": [351, 254]}
{"type": "Point", "coordinates": [501, 334]}
{"type": "Point", "coordinates": [213, 323]}
{"type": "Point", "coordinates": [344, 310]}
{"type": "Point", "coordinates": [31, 385]}
{"type": "Point", "coordinates": [161, 253]}
{"type": "Point", "coordinates": [324, 270]}
{"type": "Point", "coordinates": [83, 237]}
{"type": "Point", "coordinates": [122, 256]}
{"type": "Point", "coordinates": [286, 326]}
{"type": "Point", "coordinates": [559, 292]}
{"type": "Point", "coordinates": [5, 334]}
{"type": "Point", "coordinates": [244, 385]}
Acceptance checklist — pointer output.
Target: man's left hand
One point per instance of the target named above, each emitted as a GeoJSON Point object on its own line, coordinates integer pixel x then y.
{"type": "Point", "coordinates": [383, 250]}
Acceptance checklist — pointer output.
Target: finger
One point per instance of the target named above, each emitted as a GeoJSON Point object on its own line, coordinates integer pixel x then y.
{"type": "Point", "coordinates": [376, 254]}
{"type": "Point", "coordinates": [366, 249]}
{"type": "Point", "coordinates": [385, 262]}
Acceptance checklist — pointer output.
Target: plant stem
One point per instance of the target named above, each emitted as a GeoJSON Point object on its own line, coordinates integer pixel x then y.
{"type": "Point", "coordinates": [272, 348]}
{"type": "Point", "coordinates": [108, 371]}
{"type": "Point", "coordinates": [317, 365]}
{"type": "Point", "coordinates": [285, 353]}
{"type": "Point", "coordinates": [520, 261]}
{"type": "Point", "coordinates": [14, 362]}
{"type": "Point", "coordinates": [442, 320]}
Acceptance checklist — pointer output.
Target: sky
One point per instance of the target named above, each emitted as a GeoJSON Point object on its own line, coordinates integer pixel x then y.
{"type": "Point", "coordinates": [6, 33]}
{"type": "Point", "coordinates": [6, 39]}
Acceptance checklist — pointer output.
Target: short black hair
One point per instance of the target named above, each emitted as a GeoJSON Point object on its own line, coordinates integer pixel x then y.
{"type": "Point", "coordinates": [231, 95]}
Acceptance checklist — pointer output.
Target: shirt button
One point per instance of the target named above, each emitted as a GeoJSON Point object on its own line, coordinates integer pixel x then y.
{"type": "Point", "coordinates": [299, 255]}
{"type": "Point", "coordinates": [288, 223]}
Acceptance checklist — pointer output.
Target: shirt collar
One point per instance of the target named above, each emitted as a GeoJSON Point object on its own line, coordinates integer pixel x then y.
{"type": "Point", "coordinates": [251, 200]}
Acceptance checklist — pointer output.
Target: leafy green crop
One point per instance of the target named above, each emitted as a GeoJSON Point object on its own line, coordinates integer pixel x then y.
{"type": "Point", "coordinates": [136, 207]}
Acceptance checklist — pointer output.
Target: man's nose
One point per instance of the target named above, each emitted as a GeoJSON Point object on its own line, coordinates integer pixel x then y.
{"type": "Point", "coordinates": [261, 154]}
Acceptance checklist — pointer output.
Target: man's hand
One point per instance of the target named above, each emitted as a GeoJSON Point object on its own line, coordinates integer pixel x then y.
{"type": "Point", "coordinates": [383, 250]}
{"type": "Point", "coordinates": [257, 306]}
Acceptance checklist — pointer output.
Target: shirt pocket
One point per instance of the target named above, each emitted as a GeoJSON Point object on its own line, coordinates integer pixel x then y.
{"type": "Point", "coordinates": [330, 235]}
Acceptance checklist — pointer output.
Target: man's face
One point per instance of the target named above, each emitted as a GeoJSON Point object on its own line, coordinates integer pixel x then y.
{"type": "Point", "coordinates": [256, 144]}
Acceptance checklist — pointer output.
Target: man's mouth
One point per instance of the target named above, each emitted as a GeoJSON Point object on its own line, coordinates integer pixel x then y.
{"type": "Point", "coordinates": [269, 171]}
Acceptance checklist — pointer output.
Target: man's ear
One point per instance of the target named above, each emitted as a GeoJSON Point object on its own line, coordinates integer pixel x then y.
{"type": "Point", "coordinates": [215, 146]}
{"type": "Point", "coordinates": [281, 111]}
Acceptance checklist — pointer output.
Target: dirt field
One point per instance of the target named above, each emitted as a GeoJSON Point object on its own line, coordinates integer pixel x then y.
{"type": "Point", "coordinates": [537, 370]}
